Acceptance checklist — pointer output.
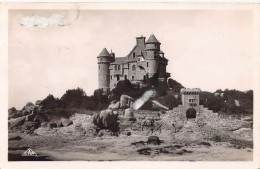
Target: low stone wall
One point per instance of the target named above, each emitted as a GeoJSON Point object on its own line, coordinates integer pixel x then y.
{"type": "Point", "coordinates": [207, 117]}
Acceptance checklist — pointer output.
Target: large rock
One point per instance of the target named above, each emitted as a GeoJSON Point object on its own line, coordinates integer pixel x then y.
{"type": "Point", "coordinates": [245, 132]}
{"type": "Point", "coordinates": [29, 107]}
{"type": "Point", "coordinates": [16, 137]}
{"type": "Point", "coordinates": [247, 119]}
{"type": "Point", "coordinates": [126, 101]}
{"type": "Point", "coordinates": [106, 120]}
{"type": "Point", "coordinates": [67, 122]}
{"type": "Point", "coordinates": [154, 140]}
{"type": "Point", "coordinates": [246, 124]}
{"type": "Point", "coordinates": [114, 105]}
{"type": "Point", "coordinates": [16, 123]}
{"type": "Point", "coordinates": [30, 126]}
{"type": "Point", "coordinates": [52, 125]}
{"type": "Point", "coordinates": [38, 102]}
{"type": "Point", "coordinates": [59, 123]}
{"type": "Point", "coordinates": [97, 121]}
{"type": "Point", "coordinates": [12, 112]}
{"type": "Point", "coordinates": [29, 117]}
{"type": "Point", "coordinates": [129, 115]}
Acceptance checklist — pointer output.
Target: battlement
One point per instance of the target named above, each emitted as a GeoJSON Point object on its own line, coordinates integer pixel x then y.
{"type": "Point", "coordinates": [190, 91]}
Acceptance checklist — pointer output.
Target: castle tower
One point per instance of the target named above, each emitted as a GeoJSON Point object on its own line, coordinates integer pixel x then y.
{"type": "Point", "coordinates": [104, 60]}
{"type": "Point", "coordinates": [152, 48]}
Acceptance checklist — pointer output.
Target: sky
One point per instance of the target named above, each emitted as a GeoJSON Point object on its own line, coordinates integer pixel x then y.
{"type": "Point", "coordinates": [51, 51]}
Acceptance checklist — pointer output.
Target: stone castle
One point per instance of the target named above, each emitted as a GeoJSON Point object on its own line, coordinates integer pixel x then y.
{"type": "Point", "coordinates": [145, 61]}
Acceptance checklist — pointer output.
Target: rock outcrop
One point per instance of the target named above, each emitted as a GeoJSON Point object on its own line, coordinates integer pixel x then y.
{"type": "Point", "coordinates": [106, 120]}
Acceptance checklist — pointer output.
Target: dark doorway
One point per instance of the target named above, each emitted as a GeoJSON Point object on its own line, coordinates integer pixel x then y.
{"type": "Point", "coordinates": [117, 77]}
{"type": "Point", "coordinates": [191, 113]}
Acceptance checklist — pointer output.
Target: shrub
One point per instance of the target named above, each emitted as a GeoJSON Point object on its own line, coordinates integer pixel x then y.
{"type": "Point", "coordinates": [73, 98]}
{"type": "Point", "coordinates": [50, 102]}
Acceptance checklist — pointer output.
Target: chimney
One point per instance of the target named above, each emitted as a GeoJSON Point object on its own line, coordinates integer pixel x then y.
{"type": "Point", "coordinates": [140, 40]}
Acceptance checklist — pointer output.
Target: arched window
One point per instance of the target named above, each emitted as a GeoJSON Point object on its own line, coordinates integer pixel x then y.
{"type": "Point", "coordinates": [133, 68]}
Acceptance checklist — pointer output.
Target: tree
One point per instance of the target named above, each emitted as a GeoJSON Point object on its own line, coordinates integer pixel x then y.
{"type": "Point", "coordinates": [73, 98]}
{"type": "Point", "coordinates": [50, 102]}
{"type": "Point", "coordinates": [176, 86]}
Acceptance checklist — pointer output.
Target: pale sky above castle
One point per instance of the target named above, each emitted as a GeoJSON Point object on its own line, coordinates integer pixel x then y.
{"type": "Point", "coordinates": [206, 49]}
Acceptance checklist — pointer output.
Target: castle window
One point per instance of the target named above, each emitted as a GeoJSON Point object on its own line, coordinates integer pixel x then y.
{"type": "Point", "coordinates": [117, 77]}
{"type": "Point", "coordinates": [147, 64]}
{"type": "Point", "coordinates": [98, 67]}
{"type": "Point", "coordinates": [111, 77]}
{"type": "Point", "coordinates": [133, 54]}
{"type": "Point", "coordinates": [133, 77]}
{"type": "Point", "coordinates": [125, 77]}
{"type": "Point", "coordinates": [133, 68]}
{"type": "Point", "coordinates": [191, 100]}
{"type": "Point", "coordinates": [115, 67]}
{"type": "Point", "coordinates": [141, 67]}
{"type": "Point", "coordinates": [118, 67]}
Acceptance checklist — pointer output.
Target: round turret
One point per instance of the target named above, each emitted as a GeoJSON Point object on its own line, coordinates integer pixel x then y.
{"type": "Point", "coordinates": [104, 56]}
{"type": "Point", "coordinates": [104, 60]}
{"type": "Point", "coordinates": [152, 44]}
{"type": "Point", "coordinates": [152, 48]}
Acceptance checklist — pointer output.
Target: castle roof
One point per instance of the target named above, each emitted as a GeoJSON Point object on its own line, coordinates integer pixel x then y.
{"type": "Point", "coordinates": [161, 52]}
{"type": "Point", "coordinates": [119, 60]}
{"type": "Point", "coordinates": [104, 53]}
{"type": "Point", "coordinates": [152, 39]}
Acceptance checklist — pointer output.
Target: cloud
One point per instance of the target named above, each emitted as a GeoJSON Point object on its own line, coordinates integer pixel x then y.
{"type": "Point", "coordinates": [42, 22]}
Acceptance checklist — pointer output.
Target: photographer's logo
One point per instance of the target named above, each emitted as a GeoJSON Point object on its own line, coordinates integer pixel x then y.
{"type": "Point", "coordinates": [29, 152]}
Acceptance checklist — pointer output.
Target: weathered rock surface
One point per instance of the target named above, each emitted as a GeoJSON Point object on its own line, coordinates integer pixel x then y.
{"type": "Point", "coordinates": [126, 101]}
{"type": "Point", "coordinates": [12, 112]}
{"type": "Point", "coordinates": [44, 124]}
{"type": "Point", "coordinates": [154, 140]}
{"type": "Point", "coordinates": [16, 137]}
{"type": "Point", "coordinates": [30, 126]}
{"type": "Point", "coordinates": [38, 102]}
{"type": "Point", "coordinates": [29, 107]}
{"type": "Point", "coordinates": [67, 122]}
{"type": "Point", "coordinates": [52, 125]}
{"type": "Point", "coordinates": [129, 115]}
{"type": "Point", "coordinates": [114, 105]}
{"type": "Point", "coordinates": [16, 123]}
{"type": "Point", "coordinates": [106, 120]}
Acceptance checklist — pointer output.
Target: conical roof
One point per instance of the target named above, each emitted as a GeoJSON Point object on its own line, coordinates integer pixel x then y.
{"type": "Point", "coordinates": [152, 39]}
{"type": "Point", "coordinates": [104, 53]}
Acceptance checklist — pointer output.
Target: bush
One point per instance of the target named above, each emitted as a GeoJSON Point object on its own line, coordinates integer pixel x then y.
{"type": "Point", "coordinates": [73, 98]}
{"type": "Point", "coordinates": [176, 86]}
{"type": "Point", "coordinates": [50, 102]}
